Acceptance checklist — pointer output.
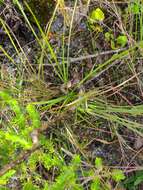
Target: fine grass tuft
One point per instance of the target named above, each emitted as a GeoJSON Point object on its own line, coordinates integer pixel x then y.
{"type": "Point", "coordinates": [65, 103]}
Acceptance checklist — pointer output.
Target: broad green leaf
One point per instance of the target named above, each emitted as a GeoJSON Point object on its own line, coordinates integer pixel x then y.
{"type": "Point", "coordinates": [98, 163]}
{"type": "Point", "coordinates": [122, 40]}
{"type": "Point", "coordinates": [97, 15]}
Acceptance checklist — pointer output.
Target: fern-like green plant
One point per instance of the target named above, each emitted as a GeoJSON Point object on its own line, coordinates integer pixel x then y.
{"type": "Point", "coordinates": [21, 120]}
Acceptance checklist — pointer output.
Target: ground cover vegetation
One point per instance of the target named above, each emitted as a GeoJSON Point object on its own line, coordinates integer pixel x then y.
{"type": "Point", "coordinates": [71, 95]}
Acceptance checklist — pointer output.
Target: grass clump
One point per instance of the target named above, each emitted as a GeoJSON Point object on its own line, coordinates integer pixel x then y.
{"type": "Point", "coordinates": [71, 85]}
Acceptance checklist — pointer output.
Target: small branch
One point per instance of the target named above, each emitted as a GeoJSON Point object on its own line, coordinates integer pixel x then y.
{"type": "Point", "coordinates": [23, 156]}
{"type": "Point", "coordinates": [72, 60]}
{"type": "Point", "coordinates": [84, 57]}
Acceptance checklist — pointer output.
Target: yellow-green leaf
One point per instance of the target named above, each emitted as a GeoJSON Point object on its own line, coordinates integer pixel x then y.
{"type": "Point", "coordinates": [97, 15]}
{"type": "Point", "coordinates": [98, 163]}
{"type": "Point", "coordinates": [118, 175]}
